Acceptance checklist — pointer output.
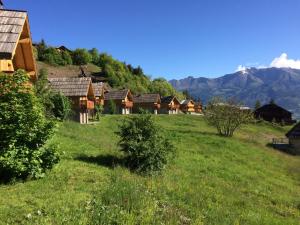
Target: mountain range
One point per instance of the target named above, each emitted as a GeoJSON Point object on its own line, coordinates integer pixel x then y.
{"type": "Point", "coordinates": [280, 84]}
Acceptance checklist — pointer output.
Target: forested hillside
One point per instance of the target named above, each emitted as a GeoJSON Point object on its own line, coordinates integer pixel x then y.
{"type": "Point", "coordinates": [102, 65]}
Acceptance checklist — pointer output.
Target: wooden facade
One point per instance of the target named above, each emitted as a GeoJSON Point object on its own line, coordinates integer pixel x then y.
{"type": "Point", "coordinates": [294, 138]}
{"type": "Point", "coordinates": [274, 113]}
{"type": "Point", "coordinates": [148, 102]}
{"type": "Point", "coordinates": [81, 93]}
{"type": "Point", "coordinates": [16, 51]}
{"type": "Point", "coordinates": [198, 107]}
{"type": "Point", "coordinates": [122, 99]}
{"type": "Point", "coordinates": [187, 106]}
{"type": "Point", "coordinates": [99, 93]}
{"type": "Point", "coordinates": [169, 105]}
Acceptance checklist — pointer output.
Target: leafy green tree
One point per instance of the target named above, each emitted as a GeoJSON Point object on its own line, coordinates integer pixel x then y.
{"type": "Point", "coordinates": [226, 116]}
{"type": "Point", "coordinates": [257, 104]}
{"type": "Point", "coordinates": [24, 130]}
{"type": "Point", "coordinates": [98, 111]}
{"type": "Point", "coordinates": [272, 101]}
{"type": "Point", "coordinates": [62, 107]}
{"type": "Point", "coordinates": [147, 150]}
{"type": "Point", "coordinates": [94, 55]}
{"type": "Point", "coordinates": [43, 91]}
{"type": "Point", "coordinates": [53, 57]}
{"type": "Point", "coordinates": [41, 48]}
{"type": "Point", "coordinates": [67, 58]}
{"type": "Point", "coordinates": [112, 108]}
{"type": "Point", "coordinates": [81, 56]}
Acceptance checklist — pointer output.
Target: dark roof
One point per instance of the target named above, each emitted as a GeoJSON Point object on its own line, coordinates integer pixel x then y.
{"type": "Point", "coordinates": [294, 132]}
{"type": "Point", "coordinates": [146, 98]}
{"type": "Point", "coordinates": [98, 89]}
{"type": "Point", "coordinates": [272, 108]}
{"type": "Point", "coordinates": [71, 87]}
{"type": "Point", "coordinates": [116, 95]}
{"type": "Point", "coordinates": [11, 27]}
{"type": "Point", "coordinates": [169, 99]}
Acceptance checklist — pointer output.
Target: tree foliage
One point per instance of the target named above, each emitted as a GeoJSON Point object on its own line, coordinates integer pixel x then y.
{"type": "Point", "coordinates": [226, 116]}
{"type": "Point", "coordinates": [147, 149]}
{"type": "Point", "coordinates": [62, 107]}
{"type": "Point", "coordinates": [81, 57]}
{"type": "Point", "coordinates": [257, 105]}
{"type": "Point", "coordinates": [118, 74]}
{"type": "Point", "coordinates": [24, 130]}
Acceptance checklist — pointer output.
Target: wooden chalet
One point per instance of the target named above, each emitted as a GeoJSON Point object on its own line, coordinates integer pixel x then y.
{"type": "Point", "coordinates": [198, 107]}
{"type": "Point", "coordinates": [99, 93]}
{"type": "Point", "coordinates": [148, 102]}
{"type": "Point", "coordinates": [169, 105]}
{"type": "Point", "coordinates": [16, 51]}
{"type": "Point", "coordinates": [187, 106]}
{"type": "Point", "coordinates": [123, 100]}
{"type": "Point", "coordinates": [294, 137]}
{"type": "Point", "coordinates": [80, 91]}
{"type": "Point", "coordinates": [274, 113]}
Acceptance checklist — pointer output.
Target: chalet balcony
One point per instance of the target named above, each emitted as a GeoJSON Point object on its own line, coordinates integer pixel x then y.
{"type": "Point", "coordinates": [127, 104]}
{"type": "Point", "coordinates": [86, 104]}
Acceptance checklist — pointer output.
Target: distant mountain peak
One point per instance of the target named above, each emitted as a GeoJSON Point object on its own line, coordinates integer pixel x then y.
{"type": "Point", "coordinates": [249, 85]}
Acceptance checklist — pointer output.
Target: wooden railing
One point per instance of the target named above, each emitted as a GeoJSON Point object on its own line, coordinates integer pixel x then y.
{"type": "Point", "coordinates": [280, 141]}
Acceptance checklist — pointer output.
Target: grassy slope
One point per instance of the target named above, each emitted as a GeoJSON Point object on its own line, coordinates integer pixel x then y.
{"type": "Point", "coordinates": [213, 180]}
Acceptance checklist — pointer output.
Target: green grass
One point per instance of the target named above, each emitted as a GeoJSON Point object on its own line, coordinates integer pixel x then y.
{"type": "Point", "coordinates": [213, 180]}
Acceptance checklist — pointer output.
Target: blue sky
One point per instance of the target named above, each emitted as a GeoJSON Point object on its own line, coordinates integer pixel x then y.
{"type": "Point", "coordinates": [172, 38]}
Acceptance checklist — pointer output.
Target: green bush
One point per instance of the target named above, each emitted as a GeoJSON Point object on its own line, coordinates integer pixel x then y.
{"type": "Point", "coordinates": [62, 107]}
{"type": "Point", "coordinates": [24, 130]}
{"type": "Point", "coordinates": [112, 108]}
{"type": "Point", "coordinates": [81, 57]}
{"type": "Point", "coordinates": [53, 57]}
{"type": "Point", "coordinates": [146, 149]}
{"type": "Point", "coordinates": [98, 111]}
{"type": "Point", "coordinates": [43, 91]}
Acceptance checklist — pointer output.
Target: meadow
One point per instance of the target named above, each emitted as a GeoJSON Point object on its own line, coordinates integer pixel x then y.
{"type": "Point", "coordinates": [211, 180]}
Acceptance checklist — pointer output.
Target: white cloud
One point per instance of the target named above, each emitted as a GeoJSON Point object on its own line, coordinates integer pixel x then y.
{"type": "Point", "coordinates": [284, 62]}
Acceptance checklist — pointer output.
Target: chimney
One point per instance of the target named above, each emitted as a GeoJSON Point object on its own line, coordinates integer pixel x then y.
{"type": "Point", "coordinates": [1, 4]}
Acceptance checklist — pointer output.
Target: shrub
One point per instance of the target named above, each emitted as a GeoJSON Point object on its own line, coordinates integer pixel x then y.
{"type": "Point", "coordinates": [24, 130]}
{"type": "Point", "coordinates": [147, 150]}
{"type": "Point", "coordinates": [112, 108]}
{"type": "Point", "coordinates": [98, 111]}
{"type": "Point", "coordinates": [43, 91]}
{"type": "Point", "coordinates": [226, 116]}
{"type": "Point", "coordinates": [62, 107]}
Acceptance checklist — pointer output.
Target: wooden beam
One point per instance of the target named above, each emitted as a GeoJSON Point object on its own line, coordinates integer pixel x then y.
{"type": "Point", "coordinates": [25, 41]}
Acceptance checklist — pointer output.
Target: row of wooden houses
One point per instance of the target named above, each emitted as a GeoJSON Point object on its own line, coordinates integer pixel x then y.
{"type": "Point", "coordinates": [84, 95]}
{"type": "Point", "coordinates": [16, 52]}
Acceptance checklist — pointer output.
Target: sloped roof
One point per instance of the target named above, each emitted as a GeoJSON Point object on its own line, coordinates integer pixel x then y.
{"type": "Point", "coordinates": [116, 95]}
{"type": "Point", "coordinates": [294, 132]}
{"type": "Point", "coordinates": [272, 108]}
{"type": "Point", "coordinates": [169, 99]}
{"type": "Point", "coordinates": [187, 101]}
{"type": "Point", "coordinates": [146, 98]}
{"type": "Point", "coordinates": [11, 27]}
{"type": "Point", "coordinates": [71, 87]}
{"type": "Point", "coordinates": [98, 89]}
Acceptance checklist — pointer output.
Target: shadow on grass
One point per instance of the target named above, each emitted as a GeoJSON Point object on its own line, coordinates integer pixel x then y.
{"type": "Point", "coordinates": [285, 148]}
{"type": "Point", "coordinates": [109, 161]}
